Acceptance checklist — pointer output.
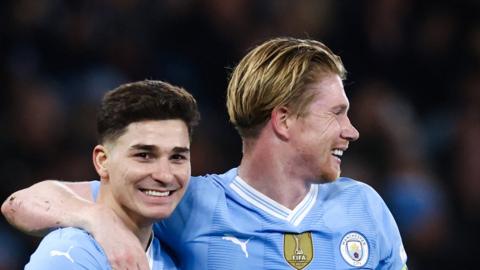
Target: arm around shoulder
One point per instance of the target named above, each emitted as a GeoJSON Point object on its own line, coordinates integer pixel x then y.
{"type": "Point", "coordinates": [48, 204]}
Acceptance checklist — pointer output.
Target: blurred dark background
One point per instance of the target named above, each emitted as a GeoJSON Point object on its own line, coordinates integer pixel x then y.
{"type": "Point", "coordinates": [414, 79]}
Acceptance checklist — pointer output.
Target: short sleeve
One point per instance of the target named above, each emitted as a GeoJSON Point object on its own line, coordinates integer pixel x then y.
{"type": "Point", "coordinates": [394, 255]}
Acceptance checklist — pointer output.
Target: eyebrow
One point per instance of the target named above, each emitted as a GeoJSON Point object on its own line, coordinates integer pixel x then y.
{"type": "Point", "coordinates": [152, 148]}
{"type": "Point", "coordinates": [181, 149]}
{"type": "Point", "coordinates": [146, 147]}
{"type": "Point", "coordinates": [342, 107]}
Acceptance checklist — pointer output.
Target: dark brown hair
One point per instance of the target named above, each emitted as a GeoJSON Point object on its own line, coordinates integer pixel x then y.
{"type": "Point", "coordinates": [144, 100]}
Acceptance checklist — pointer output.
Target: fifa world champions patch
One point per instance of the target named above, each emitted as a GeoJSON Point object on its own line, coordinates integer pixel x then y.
{"type": "Point", "coordinates": [298, 249]}
{"type": "Point", "coordinates": [354, 249]}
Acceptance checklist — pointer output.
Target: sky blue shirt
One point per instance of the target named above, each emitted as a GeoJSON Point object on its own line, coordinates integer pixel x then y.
{"type": "Point", "coordinates": [223, 223]}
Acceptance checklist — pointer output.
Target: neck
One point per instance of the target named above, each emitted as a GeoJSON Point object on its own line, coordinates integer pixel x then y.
{"type": "Point", "coordinates": [268, 170]}
{"type": "Point", "coordinates": [137, 225]}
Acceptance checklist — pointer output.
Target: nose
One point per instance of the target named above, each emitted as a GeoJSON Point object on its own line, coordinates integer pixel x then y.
{"type": "Point", "coordinates": [349, 132]}
{"type": "Point", "coordinates": [162, 172]}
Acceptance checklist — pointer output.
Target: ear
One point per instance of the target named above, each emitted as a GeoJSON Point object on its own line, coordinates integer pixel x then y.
{"type": "Point", "coordinates": [100, 157]}
{"type": "Point", "coordinates": [280, 121]}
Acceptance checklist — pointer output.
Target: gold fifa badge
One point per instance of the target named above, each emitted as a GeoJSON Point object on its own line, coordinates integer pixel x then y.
{"type": "Point", "coordinates": [298, 249]}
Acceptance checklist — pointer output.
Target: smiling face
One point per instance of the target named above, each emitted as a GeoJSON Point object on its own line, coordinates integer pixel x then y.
{"type": "Point", "coordinates": [321, 134]}
{"type": "Point", "coordinates": [145, 171]}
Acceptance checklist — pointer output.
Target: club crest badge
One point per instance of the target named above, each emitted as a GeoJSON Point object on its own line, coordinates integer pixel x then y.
{"type": "Point", "coordinates": [298, 249]}
{"type": "Point", "coordinates": [354, 249]}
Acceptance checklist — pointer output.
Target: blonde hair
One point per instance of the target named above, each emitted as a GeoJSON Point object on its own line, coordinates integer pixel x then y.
{"type": "Point", "coordinates": [274, 74]}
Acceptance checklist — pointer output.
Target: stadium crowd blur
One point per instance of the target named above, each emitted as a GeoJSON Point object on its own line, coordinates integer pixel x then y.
{"type": "Point", "coordinates": [414, 88]}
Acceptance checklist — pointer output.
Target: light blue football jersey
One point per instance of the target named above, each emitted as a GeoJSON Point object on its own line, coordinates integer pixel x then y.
{"type": "Point", "coordinates": [223, 223]}
{"type": "Point", "coordinates": [72, 248]}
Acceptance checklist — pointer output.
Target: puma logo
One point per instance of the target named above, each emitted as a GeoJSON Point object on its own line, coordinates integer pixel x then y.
{"type": "Point", "coordinates": [243, 245]}
{"type": "Point", "coordinates": [60, 253]}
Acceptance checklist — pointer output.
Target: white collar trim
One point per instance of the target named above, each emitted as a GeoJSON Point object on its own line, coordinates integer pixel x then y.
{"type": "Point", "coordinates": [149, 252]}
{"type": "Point", "coordinates": [272, 207]}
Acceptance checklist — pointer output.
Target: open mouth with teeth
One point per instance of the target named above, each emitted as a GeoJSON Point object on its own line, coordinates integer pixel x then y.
{"type": "Point", "coordinates": [338, 153]}
{"type": "Point", "coordinates": [156, 193]}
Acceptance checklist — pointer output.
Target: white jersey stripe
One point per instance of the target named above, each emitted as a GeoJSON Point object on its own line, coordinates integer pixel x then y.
{"type": "Point", "coordinates": [261, 198]}
{"type": "Point", "coordinates": [149, 252]}
{"type": "Point", "coordinates": [297, 219]}
{"type": "Point", "coordinates": [261, 206]}
{"type": "Point", "coordinates": [258, 199]}
{"type": "Point", "coordinates": [254, 200]}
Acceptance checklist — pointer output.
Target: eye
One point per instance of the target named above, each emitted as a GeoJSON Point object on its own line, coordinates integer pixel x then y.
{"type": "Point", "coordinates": [143, 155]}
{"type": "Point", "coordinates": [339, 112]}
{"type": "Point", "coordinates": [178, 157]}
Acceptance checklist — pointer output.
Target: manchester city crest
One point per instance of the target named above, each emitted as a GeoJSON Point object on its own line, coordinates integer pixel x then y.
{"type": "Point", "coordinates": [354, 249]}
{"type": "Point", "coordinates": [298, 249]}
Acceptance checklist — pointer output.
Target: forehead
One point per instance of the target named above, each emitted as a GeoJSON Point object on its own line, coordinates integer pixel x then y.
{"type": "Point", "coordinates": [329, 92]}
{"type": "Point", "coordinates": [164, 134]}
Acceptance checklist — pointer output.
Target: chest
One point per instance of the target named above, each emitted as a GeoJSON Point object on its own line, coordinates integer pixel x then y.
{"type": "Point", "coordinates": [247, 240]}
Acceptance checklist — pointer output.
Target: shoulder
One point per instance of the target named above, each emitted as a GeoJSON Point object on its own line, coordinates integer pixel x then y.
{"type": "Point", "coordinates": [369, 194]}
{"type": "Point", "coordinates": [353, 195]}
{"type": "Point", "coordinates": [70, 235]}
{"type": "Point", "coordinates": [198, 205]}
{"type": "Point", "coordinates": [68, 248]}
{"type": "Point", "coordinates": [212, 182]}
{"type": "Point", "coordinates": [358, 197]}
{"type": "Point", "coordinates": [215, 185]}
{"type": "Point", "coordinates": [347, 186]}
